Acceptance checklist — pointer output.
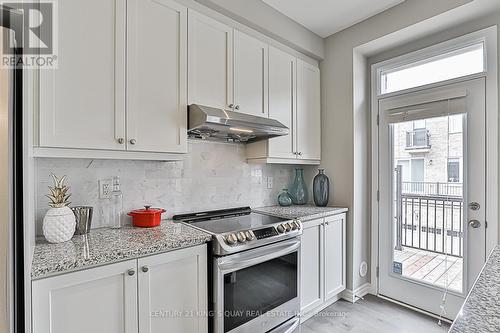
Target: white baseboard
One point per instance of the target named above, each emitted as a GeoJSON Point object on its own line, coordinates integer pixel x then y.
{"type": "Point", "coordinates": [353, 295]}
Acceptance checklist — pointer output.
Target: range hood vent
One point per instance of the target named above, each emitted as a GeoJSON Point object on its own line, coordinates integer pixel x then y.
{"type": "Point", "coordinates": [205, 122]}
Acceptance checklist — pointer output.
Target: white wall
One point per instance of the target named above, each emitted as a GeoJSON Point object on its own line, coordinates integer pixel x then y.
{"type": "Point", "coordinates": [267, 20]}
{"type": "Point", "coordinates": [213, 175]}
{"type": "Point", "coordinates": [345, 117]}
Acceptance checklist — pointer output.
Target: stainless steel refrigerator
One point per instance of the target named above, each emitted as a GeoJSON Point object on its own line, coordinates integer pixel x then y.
{"type": "Point", "coordinates": [11, 210]}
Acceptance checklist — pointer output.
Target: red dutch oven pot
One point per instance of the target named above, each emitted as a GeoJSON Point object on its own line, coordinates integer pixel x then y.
{"type": "Point", "coordinates": [147, 217]}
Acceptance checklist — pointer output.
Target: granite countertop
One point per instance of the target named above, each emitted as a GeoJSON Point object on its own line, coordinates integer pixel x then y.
{"type": "Point", "coordinates": [304, 213]}
{"type": "Point", "coordinates": [481, 310]}
{"type": "Point", "coordinates": [105, 246]}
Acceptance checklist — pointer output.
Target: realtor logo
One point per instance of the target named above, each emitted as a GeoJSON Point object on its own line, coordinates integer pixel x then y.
{"type": "Point", "coordinates": [36, 36]}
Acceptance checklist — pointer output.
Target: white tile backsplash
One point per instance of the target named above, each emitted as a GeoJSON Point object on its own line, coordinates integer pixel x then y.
{"type": "Point", "coordinates": [212, 176]}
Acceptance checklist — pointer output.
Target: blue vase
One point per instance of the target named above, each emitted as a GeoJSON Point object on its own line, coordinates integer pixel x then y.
{"type": "Point", "coordinates": [299, 188]}
{"type": "Point", "coordinates": [321, 189]}
{"type": "Point", "coordinates": [285, 199]}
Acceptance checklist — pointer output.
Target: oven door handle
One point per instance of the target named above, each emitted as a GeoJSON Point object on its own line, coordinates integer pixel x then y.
{"type": "Point", "coordinates": [246, 259]}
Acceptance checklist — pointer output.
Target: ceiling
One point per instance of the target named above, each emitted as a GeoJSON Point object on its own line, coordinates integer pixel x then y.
{"type": "Point", "coordinates": [326, 17]}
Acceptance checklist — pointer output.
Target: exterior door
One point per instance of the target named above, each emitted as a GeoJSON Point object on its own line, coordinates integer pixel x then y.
{"type": "Point", "coordinates": [432, 226]}
{"type": "Point", "coordinates": [156, 76]}
{"type": "Point", "coordinates": [250, 75]}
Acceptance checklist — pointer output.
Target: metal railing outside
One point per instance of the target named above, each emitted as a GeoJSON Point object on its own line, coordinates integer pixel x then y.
{"type": "Point", "coordinates": [429, 216]}
{"type": "Point", "coordinates": [433, 188]}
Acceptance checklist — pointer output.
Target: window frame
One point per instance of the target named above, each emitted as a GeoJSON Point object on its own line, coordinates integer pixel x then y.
{"type": "Point", "coordinates": [432, 52]}
{"type": "Point", "coordinates": [457, 160]}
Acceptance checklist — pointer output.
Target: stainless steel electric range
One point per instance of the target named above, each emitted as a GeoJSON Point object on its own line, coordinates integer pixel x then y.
{"type": "Point", "coordinates": [254, 263]}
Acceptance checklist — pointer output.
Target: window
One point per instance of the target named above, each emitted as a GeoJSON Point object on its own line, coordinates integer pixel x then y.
{"type": "Point", "coordinates": [454, 170]}
{"type": "Point", "coordinates": [462, 62]}
{"type": "Point", "coordinates": [419, 124]}
{"type": "Point", "coordinates": [455, 124]}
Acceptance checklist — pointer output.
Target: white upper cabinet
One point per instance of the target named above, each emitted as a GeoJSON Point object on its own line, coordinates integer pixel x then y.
{"type": "Point", "coordinates": [156, 76]}
{"type": "Point", "coordinates": [308, 111]}
{"type": "Point", "coordinates": [82, 102]}
{"type": "Point", "coordinates": [282, 88]}
{"type": "Point", "coordinates": [210, 61]}
{"type": "Point", "coordinates": [250, 75]}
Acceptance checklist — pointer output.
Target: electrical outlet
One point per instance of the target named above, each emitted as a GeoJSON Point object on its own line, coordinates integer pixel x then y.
{"type": "Point", "coordinates": [269, 182]}
{"type": "Point", "coordinates": [105, 188]}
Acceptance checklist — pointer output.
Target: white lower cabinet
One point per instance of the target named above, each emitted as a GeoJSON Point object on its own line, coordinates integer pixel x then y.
{"type": "Point", "coordinates": [322, 264]}
{"type": "Point", "coordinates": [98, 300]}
{"type": "Point", "coordinates": [173, 292]}
{"type": "Point", "coordinates": [161, 293]}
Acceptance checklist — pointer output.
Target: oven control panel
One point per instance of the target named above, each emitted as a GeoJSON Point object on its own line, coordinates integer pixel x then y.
{"type": "Point", "coordinates": [242, 237]}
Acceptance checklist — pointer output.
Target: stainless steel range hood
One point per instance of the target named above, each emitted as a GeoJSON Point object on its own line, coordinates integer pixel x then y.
{"type": "Point", "coordinates": [205, 122]}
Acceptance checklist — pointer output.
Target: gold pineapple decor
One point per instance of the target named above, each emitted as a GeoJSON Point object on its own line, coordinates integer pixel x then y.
{"type": "Point", "coordinates": [59, 193]}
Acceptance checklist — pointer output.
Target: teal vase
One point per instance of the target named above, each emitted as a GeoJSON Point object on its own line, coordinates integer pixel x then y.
{"type": "Point", "coordinates": [285, 199]}
{"type": "Point", "coordinates": [299, 188]}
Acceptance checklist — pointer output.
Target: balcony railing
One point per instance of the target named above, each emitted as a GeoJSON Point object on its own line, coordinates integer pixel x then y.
{"type": "Point", "coordinates": [433, 188]}
{"type": "Point", "coordinates": [429, 216]}
{"type": "Point", "coordinates": [418, 139]}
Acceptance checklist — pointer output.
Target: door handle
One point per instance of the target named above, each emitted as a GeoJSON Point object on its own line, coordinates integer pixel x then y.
{"type": "Point", "coordinates": [475, 224]}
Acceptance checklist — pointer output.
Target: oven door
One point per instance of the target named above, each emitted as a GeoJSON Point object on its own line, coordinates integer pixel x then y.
{"type": "Point", "coordinates": [257, 290]}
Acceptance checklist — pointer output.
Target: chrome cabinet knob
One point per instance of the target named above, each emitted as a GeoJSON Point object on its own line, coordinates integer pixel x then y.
{"type": "Point", "coordinates": [237, 107]}
{"type": "Point", "coordinates": [131, 272]}
{"type": "Point", "coordinates": [121, 141]}
{"type": "Point", "coordinates": [145, 269]}
{"type": "Point", "coordinates": [474, 224]}
{"type": "Point", "coordinates": [299, 153]}
{"type": "Point", "coordinates": [133, 141]}
{"type": "Point", "coordinates": [231, 106]}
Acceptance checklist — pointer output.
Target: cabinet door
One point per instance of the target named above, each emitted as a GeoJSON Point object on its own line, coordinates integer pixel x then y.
{"type": "Point", "coordinates": [82, 101]}
{"type": "Point", "coordinates": [250, 75]}
{"type": "Point", "coordinates": [311, 266]}
{"type": "Point", "coordinates": [97, 300]}
{"type": "Point", "coordinates": [173, 292]}
{"type": "Point", "coordinates": [335, 255]}
{"type": "Point", "coordinates": [156, 76]}
{"type": "Point", "coordinates": [282, 70]}
{"type": "Point", "coordinates": [210, 61]}
{"type": "Point", "coordinates": [308, 111]}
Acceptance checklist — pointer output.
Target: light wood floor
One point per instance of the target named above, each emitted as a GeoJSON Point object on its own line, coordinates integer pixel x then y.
{"type": "Point", "coordinates": [371, 315]}
{"type": "Point", "coordinates": [430, 267]}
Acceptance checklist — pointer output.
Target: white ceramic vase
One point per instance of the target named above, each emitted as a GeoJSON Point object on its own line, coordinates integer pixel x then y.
{"type": "Point", "coordinates": [59, 224]}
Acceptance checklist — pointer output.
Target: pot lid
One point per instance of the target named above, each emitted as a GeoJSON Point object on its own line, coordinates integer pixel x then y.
{"type": "Point", "coordinates": [147, 210]}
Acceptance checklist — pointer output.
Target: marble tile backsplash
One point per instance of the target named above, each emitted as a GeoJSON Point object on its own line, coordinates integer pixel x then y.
{"type": "Point", "coordinates": [212, 176]}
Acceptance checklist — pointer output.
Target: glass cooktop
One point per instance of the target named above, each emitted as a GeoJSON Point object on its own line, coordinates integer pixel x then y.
{"type": "Point", "coordinates": [228, 220]}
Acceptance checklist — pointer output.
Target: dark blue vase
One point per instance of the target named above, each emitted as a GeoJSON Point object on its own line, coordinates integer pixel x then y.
{"type": "Point", "coordinates": [299, 188]}
{"type": "Point", "coordinates": [321, 188]}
